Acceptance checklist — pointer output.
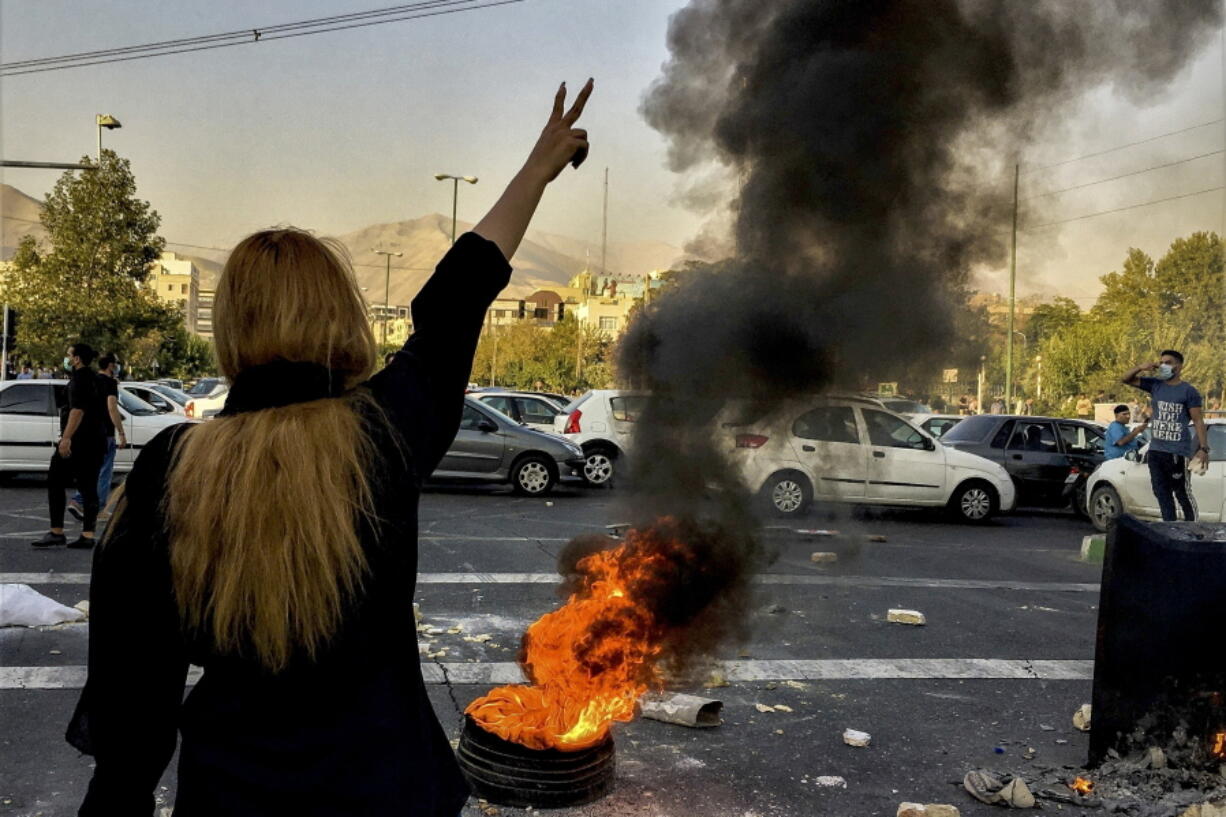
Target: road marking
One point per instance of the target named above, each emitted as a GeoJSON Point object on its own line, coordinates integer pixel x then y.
{"type": "Point", "coordinates": [764, 578]}
{"type": "Point", "coordinates": [832, 669]}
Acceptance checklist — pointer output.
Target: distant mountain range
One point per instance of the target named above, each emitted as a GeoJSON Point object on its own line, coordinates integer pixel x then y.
{"type": "Point", "coordinates": [543, 259]}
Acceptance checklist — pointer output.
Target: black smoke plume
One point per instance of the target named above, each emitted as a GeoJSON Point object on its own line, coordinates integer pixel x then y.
{"type": "Point", "coordinates": [871, 144]}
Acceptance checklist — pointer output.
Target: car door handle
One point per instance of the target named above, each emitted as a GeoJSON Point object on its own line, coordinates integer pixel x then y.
{"type": "Point", "coordinates": [880, 454]}
{"type": "Point", "coordinates": [807, 448]}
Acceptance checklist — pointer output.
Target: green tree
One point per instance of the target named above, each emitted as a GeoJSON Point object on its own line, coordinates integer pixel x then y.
{"type": "Point", "coordinates": [566, 357]}
{"type": "Point", "coordinates": [1048, 319]}
{"type": "Point", "coordinates": [86, 282]}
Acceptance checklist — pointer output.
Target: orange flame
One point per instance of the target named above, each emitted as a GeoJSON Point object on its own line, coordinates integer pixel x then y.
{"type": "Point", "coordinates": [1082, 785]}
{"type": "Point", "coordinates": [1217, 746]}
{"type": "Point", "coordinates": [591, 659]}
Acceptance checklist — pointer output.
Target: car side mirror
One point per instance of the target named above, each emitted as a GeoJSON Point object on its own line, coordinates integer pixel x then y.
{"type": "Point", "coordinates": [929, 445]}
{"type": "Point", "coordinates": [1132, 456]}
{"type": "Point", "coordinates": [487, 426]}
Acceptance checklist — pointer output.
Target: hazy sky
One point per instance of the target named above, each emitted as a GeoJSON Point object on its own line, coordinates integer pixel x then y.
{"type": "Point", "coordinates": [340, 130]}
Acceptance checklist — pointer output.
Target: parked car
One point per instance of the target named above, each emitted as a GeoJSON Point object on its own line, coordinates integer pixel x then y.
{"type": "Point", "coordinates": [852, 451]}
{"type": "Point", "coordinates": [172, 382]}
{"type": "Point", "coordinates": [1049, 459]}
{"type": "Point", "coordinates": [935, 424]}
{"type": "Point", "coordinates": [30, 424]}
{"type": "Point", "coordinates": [492, 447]}
{"type": "Point", "coordinates": [904, 405]}
{"type": "Point", "coordinates": [532, 410]}
{"type": "Point", "coordinates": [155, 395]}
{"type": "Point", "coordinates": [208, 396]}
{"type": "Point", "coordinates": [601, 422]}
{"type": "Point", "coordinates": [1122, 485]}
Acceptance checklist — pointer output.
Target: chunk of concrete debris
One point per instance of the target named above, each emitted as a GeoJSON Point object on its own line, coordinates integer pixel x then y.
{"type": "Point", "coordinates": [478, 639]}
{"type": "Point", "coordinates": [829, 781]}
{"type": "Point", "coordinates": [927, 810]}
{"type": "Point", "coordinates": [684, 710]}
{"type": "Point", "coordinates": [1156, 758]}
{"type": "Point", "coordinates": [823, 557]}
{"type": "Point", "coordinates": [1206, 809]}
{"type": "Point", "coordinates": [783, 708]}
{"type": "Point", "coordinates": [1017, 794]}
{"type": "Point", "coordinates": [854, 737]}
{"type": "Point", "coordinates": [898, 616]}
{"type": "Point", "coordinates": [764, 707]}
{"type": "Point", "coordinates": [1081, 718]}
{"type": "Point", "coordinates": [983, 786]}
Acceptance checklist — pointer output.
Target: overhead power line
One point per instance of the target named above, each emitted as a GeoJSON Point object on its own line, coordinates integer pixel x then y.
{"type": "Point", "coordinates": [1125, 175]}
{"type": "Point", "coordinates": [1122, 209]}
{"type": "Point", "coordinates": [280, 31]}
{"type": "Point", "coordinates": [1122, 147]}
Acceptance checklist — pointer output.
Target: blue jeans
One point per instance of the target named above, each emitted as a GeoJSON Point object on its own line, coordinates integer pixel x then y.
{"type": "Point", "coordinates": [1168, 476]}
{"type": "Point", "coordinates": [104, 476]}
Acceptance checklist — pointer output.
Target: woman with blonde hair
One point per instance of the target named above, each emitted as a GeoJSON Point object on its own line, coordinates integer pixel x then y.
{"type": "Point", "coordinates": [276, 546]}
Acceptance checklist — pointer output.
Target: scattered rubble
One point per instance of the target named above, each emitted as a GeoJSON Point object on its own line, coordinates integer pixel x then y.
{"type": "Point", "coordinates": [764, 707]}
{"type": "Point", "coordinates": [823, 557]}
{"type": "Point", "coordinates": [774, 609]}
{"type": "Point", "coordinates": [854, 737]}
{"type": "Point", "coordinates": [1081, 718]}
{"type": "Point", "coordinates": [927, 810]}
{"type": "Point", "coordinates": [684, 710]}
{"type": "Point", "coordinates": [827, 781]}
{"type": "Point", "coordinates": [898, 616]}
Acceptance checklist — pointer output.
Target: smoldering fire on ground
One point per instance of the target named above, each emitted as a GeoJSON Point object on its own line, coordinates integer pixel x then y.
{"type": "Point", "coordinates": [860, 135]}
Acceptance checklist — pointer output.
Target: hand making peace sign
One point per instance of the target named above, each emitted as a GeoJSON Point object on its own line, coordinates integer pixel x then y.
{"type": "Point", "coordinates": [561, 142]}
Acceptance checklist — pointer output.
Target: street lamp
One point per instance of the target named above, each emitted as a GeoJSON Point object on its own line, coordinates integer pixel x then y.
{"type": "Point", "coordinates": [455, 194]}
{"type": "Point", "coordinates": [104, 120]}
{"type": "Point", "coordinates": [387, 283]}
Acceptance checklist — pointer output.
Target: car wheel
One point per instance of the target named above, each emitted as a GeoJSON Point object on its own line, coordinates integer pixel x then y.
{"type": "Point", "coordinates": [974, 502]}
{"type": "Point", "coordinates": [788, 494]}
{"type": "Point", "coordinates": [1105, 506]}
{"type": "Point", "coordinates": [598, 467]}
{"type": "Point", "coordinates": [532, 476]}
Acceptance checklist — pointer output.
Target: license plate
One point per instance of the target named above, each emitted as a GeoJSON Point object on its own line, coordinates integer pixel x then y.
{"type": "Point", "coordinates": [1071, 478]}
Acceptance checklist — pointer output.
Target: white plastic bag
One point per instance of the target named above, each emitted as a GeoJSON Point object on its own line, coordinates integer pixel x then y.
{"type": "Point", "coordinates": [23, 606]}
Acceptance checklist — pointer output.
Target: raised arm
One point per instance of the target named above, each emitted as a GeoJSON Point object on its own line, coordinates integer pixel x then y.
{"type": "Point", "coordinates": [1133, 376]}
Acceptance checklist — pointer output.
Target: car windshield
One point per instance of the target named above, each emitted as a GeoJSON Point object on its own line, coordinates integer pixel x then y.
{"type": "Point", "coordinates": [172, 393]}
{"type": "Point", "coordinates": [204, 386]}
{"type": "Point", "coordinates": [906, 406]}
{"type": "Point", "coordinates": [971, 430]}
{"type": "Point", "coordinates": [135, 406]}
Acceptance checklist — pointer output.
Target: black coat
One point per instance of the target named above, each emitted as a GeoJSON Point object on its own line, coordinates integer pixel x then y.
{"type": "Point", "coordinates": [349, 733]}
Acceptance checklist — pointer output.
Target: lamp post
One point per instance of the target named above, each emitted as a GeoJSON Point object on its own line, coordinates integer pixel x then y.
{"type": "Point", "coordinates": [387, 284]}
{"type": "Point", "coordinates": [104, 120]}
{"type": "Point", "coordinates": [455, 194]}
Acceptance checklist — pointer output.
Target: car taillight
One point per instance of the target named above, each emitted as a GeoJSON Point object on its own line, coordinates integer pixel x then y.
{"type": "Point", "coordinates": [572, 422]}
{"type": "Point", "coordinates": [750, 440]}
{"type": "Point", "coordinates": [190, 408]}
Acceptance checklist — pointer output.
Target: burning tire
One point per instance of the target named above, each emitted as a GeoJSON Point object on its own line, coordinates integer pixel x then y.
{"type": "Point", "coordinates": [788, 494]}
{"type": "Point", "coordinates": [1105, 506]}
{"type": "Point", "coordinates": [974, 502]}
{"type": "Point", "coordinates": [533, 476]}
{"type": "Point", "coordinates": [598, 466]}
{"type": "Point", "coordinates": [509, 774]}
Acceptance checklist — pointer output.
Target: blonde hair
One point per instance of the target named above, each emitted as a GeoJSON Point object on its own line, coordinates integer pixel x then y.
{"type": "Point", "coordinates": [263, 506]}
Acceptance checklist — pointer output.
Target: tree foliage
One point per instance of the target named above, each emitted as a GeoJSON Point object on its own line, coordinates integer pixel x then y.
{"type": "Point", "coordinates": [566, 357]}
{"type": "Point", "coordinates": [87, 281]}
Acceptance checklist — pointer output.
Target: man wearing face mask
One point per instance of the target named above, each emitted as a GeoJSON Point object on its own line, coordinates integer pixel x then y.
{"type": "Point", "coordinates": [1175, 404]}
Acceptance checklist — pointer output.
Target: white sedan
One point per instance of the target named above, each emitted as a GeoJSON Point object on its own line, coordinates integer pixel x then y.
{"type": "Point", "coordinates": [1122, 485]}
{"type": "Point", "coordinates": [849, 450]}
{"type": "Point", "coordinates": [30, 424]}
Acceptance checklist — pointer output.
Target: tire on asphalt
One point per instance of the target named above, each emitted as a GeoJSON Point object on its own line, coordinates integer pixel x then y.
{"type": "Point", "coordinates": [533, 475]}
{"type": "Point", "coordinates": [599, 466]}
{"type": "Point", "coordinates": [974, 502]}
{"type": "Point", "coordinates": [788, 494]}
{"type": "Point", "coordinates": [1105, 507]}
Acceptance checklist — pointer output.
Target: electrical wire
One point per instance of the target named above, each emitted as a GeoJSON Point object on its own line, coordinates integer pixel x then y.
{"type": "Point", "coordinates": [1122, 147]}
{"type": "Point", "coordinates": [1122, 209]}
{"type": "Point", "coordinates": [440, 8]}
{"type": "Point", "coordinates": [1124, 175]}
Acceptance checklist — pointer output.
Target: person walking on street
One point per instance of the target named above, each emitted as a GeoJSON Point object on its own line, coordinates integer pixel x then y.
{"type": "Point", "coordinates": [78, 455]}
{"type": "Point", "coordinates": [276, 545]}
{"type": "Point", "coordinates": [1174, 404]}
{"type": "Point", "coordinates": [26, 373]}
{"type": "Point", "coordinates": [108, 393]}
{"type": "Point", "coordinates": [1121, 440]}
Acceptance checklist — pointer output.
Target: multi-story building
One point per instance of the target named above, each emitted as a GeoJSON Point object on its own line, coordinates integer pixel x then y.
{"type": "Point", "coordinates": [176, 280]}
{"type": "Point", "coordinates": [391, 324]}
{"type": "Point", "coordinates": [204, 313]}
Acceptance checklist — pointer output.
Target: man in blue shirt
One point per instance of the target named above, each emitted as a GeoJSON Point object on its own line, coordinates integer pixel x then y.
{"type": "Point", "coordinates": [1175, 404]}
{"type": "Point", "coordinates": [1119, 439]}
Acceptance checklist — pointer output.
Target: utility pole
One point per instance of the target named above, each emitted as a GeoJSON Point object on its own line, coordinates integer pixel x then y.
{"type": "Point", "coordinates": [604, 226]}
{"type": "Point", "coordinates": [387, 287]}
{"type": "Point", "coordinates": [1012, 295]}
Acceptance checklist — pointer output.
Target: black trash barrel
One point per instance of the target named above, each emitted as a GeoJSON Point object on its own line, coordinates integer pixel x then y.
{"type": "Point", "coordinates": [509, 774]}
{"type": "Point", "coordinates": [1160, 662]}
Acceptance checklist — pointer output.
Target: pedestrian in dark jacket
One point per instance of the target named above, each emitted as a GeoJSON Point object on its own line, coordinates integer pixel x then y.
{"type": "Point", "coordinates": [276, 545]}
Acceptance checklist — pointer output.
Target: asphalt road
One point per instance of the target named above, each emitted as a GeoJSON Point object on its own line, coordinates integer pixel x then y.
{"type": "Point", "coordinates": [1004, 658]}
